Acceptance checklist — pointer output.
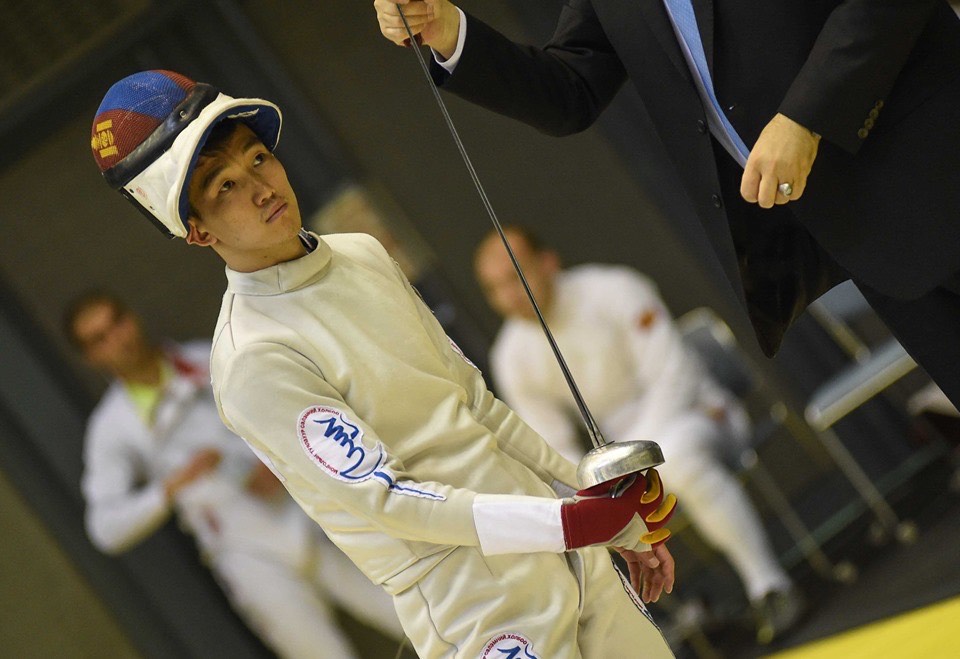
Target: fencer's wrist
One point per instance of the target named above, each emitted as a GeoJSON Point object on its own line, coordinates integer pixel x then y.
{"type": "Point", "coordinates": [516, 524]}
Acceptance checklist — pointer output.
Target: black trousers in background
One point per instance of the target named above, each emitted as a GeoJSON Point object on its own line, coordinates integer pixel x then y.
{"type": "Point", "coordinates": [929, 329]}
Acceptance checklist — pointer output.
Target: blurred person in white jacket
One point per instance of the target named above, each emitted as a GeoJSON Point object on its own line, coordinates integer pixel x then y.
{"type": "Point", "coordinates": [155, 445]}
{"type": "Point", "coordinates": [629, 361]}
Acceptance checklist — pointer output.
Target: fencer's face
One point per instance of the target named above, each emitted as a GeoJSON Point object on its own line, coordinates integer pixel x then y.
{"type": "Point", "coordinates": [244, 205]}
{"type": "Point", "coordinates": [112, 340]}
{"type": "Point", "coordinates": [499, 280]}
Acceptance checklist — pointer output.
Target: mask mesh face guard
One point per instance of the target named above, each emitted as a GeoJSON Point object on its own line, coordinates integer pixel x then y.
{"type": "Point", "coordinates": [148, 134]}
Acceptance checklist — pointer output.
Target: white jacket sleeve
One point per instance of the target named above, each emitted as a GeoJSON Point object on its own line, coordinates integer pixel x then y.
{"type": "Point", "coordinates": [668, 374]}
{"type": "Point", "coordinates": [328, 457]}
{"type": "Point", "coordinates": [542, 412]}
{"type": "Point", "coordinates": [120, 511]}
{"type": "Point", "coordinates": [529, 449]}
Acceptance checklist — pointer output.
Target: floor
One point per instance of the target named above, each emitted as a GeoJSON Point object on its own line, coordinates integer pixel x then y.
{"type": "Point", "coordinates": [893, 579]}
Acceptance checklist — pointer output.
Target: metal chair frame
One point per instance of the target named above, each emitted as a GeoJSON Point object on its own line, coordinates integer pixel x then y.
{"type": "Point", "coordinates": [712, 339]}
{"type": "Point", "coordinates": [871, 371]}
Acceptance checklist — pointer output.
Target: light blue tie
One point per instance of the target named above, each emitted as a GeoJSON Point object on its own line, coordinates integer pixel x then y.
{"type": "Point", "coordinates": [685, 25]}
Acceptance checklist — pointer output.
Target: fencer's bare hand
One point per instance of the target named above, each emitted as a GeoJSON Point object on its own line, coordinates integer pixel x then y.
{"type": "Point", "coordinates": [651, 572]}
{"type": "Point", "coordinates": [262, 483]}
{"type": "Point", "coordinates": [202, 463]}
{"type": "Point", "coordinates": [436, 21]}
{"type": "Point", "coordinates": [784, 153]}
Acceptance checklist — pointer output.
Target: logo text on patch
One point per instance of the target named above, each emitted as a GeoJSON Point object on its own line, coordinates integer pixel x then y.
{"type": "Point", "coordinates": [508, 646]}
{"type": "Point", "coordinates": [335, 443]}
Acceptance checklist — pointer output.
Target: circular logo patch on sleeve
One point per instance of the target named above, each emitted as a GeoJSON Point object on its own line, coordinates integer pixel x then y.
{"type": "Point", "coordinates": [335, 443]}
{"type": "Point", "coordinates": [508, 646]}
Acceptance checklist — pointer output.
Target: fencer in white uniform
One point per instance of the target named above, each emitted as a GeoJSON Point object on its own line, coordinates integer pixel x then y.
{"type": "Point", "coordinates": [338, 375]}
{"type": "Point", "coordinates": [640, 380]}
{"type": "Point", "coordinates": [276, 567]}
{"type": "Point", "coordinates": [335, 372]}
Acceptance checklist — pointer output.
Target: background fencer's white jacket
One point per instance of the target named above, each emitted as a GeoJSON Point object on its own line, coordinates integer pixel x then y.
{"type": "Point", "coordinates": [624, 351]}
{"type": "Point", "coordinates": [126, 462]}
{"type": "Point", "coordinates": [334, 370]}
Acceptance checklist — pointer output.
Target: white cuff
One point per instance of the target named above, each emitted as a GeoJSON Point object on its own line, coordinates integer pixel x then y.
{"type": "Point", "coordinates": [451, 63]}
{"type": "Point", "coordinates": [509, 524]}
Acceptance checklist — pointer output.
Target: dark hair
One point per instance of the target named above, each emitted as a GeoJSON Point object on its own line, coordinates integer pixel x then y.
{"type": "Point", "coordinates": [218, 136]}
{"type": "Point", "coordinates": [532, 239]}
{"type": "Point", "coordinates": [526, 234]}
{"type": "Point", "coordinates": [80, 304]}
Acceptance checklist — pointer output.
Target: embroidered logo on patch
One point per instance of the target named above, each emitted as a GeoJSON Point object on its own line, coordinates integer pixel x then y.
{"type": "Point", "coordinates": [508, 646]}
{"type": "Point", "coordinates": [335, 443]}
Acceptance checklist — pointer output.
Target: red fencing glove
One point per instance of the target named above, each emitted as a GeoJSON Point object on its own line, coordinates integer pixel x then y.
{"type": "Point", "coordinates": [627, 512]}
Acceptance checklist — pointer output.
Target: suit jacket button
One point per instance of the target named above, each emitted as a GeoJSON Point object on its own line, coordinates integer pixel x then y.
{"type": "Point", "coordinates": [701, 126]}
{"type": "Point", "coordinates": [862, 133]}
{"type": "Point", "coordinates": [874, 113]}
{"type": "Point", "coordinates": [879, 105]}
{"type": "Point", "coordinates": [868, 124]}
{"type": "Point", "coordinates": [717, 201]}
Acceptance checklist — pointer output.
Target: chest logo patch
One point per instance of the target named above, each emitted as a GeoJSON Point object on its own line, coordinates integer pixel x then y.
{"type": "Point", "coordinates": [335, 443]}
{"type": "Point", "coordinates": [647, 319]}
{"type": "Point", "coordinates": [508, 646]}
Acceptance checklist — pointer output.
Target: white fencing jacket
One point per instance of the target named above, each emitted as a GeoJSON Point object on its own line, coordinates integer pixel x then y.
{"type": "Point", "coordinates": [334, 370]}
{"type": "Point", "coordinates": [622, 348]}
{"type": "Point", "coordinates": [126, 462]}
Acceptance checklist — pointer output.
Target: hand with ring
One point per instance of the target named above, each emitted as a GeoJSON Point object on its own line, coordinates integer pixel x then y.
{"type": "Point", "coordinates": [779, 163]}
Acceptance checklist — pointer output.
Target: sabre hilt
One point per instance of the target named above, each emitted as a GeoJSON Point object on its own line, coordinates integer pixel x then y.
{"type": "Point", "coordinates": [611, 461]}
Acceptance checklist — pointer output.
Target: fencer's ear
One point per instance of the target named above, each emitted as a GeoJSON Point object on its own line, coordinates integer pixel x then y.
{"type": "Point", "coordinates": [197, 236]}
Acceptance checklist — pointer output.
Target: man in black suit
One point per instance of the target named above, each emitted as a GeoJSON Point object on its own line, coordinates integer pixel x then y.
{"type": "Point", "coordinates": [848, 112]}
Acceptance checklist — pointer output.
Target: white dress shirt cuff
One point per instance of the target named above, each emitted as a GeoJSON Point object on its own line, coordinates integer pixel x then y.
{"type": "Point", "coordinates": [451, 64]}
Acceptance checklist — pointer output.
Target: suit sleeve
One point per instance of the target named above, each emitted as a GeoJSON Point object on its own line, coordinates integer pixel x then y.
{"type": "Point", "coordinates": [854, 64]}
{"type": "Point", "coordinates": [558, 89]}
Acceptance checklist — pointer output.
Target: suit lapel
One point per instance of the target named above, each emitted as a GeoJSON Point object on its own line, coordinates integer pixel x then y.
{"type": "Point", "coordinates": [703, 9]}
{"type": "Point", "coordinates": [659, 23]}
{"type": "Point", "coordinates": [655, 16]}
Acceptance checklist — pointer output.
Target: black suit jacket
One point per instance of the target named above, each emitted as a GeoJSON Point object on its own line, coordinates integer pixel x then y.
{"type": "Point", "coordinates": [880, 81]}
